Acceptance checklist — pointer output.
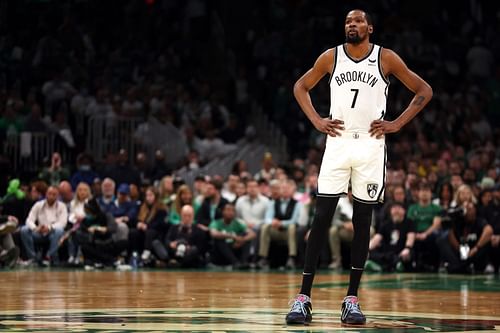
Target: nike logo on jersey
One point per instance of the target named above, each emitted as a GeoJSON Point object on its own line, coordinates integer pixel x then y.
{"type": "Point", "coordinates": [372, 61]}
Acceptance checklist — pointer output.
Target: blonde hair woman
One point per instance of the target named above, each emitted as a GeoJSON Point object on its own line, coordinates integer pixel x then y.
{"type": "Point", "coordinates": [76, 216]}
{"type": "Point", "coordinates": [183, 197]}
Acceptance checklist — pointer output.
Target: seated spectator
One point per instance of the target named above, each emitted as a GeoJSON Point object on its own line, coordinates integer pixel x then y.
{"type": "Point", "coordinates": [124, 210]}
{"type": "Point", "coordinates": [9, 253]}
{"type": "Point", "coordinates": [392, 246]}
{"type": "Point", "coordinates": [151, 225]}
{"type": "Point", "coordinates": [212, 205]}
{"type": "Point", "coordinates": [466, 248]}
{"type": "Point", "coordinates": [46, 221]}
{"type": "Point", "coordinates": [281, 220]}
{"type": "Point", "coordinates": [167, 193]}
{"type": "Point", "coordinates": [251, 209]}
{"type": "Point", "coordinates": [65, 193]}
{"type": "Point", "coordinates": [84, 171]}
{"type": "Point", "coordinates": [107, 198]}
{"type": "Point", "coordinates": [183, 197]}
{"type": "Point", "coordinates": [229, 189]}
{"type": "Point", "coordinates": [232, 239]}
{"type": "Point", "coordinates": [100, 238]}
{"type": "Point", "coordinates": [426, 218]}
{"type": "Point", "coordinates": [55, 173]}
{"type": "Point", "coordinates": [76, 216]}
{"type": "Point", "coordinates": [38, 189]}
{"type": "Point", "coordinates": [185, 244]}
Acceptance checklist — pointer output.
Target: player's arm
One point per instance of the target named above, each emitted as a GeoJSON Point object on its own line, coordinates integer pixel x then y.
{"type": "Point", "coordinates": [322, 66]}
{"type": "Point", "coordinates": [392, 64]}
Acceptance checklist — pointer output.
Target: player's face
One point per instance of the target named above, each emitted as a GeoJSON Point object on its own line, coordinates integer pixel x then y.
{"type": "Point", "coordinates": [357, 28]}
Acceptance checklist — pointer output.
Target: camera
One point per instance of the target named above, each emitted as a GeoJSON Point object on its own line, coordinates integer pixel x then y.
{"type": "Point", "coordinates": [449, 216]}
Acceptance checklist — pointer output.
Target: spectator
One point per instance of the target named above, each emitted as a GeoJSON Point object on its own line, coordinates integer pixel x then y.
{"type": "Point", "coordinates": [268, 168]}
{"type": "Point", "coordinates": [251, 209]}
{"type": "Point", "coordinates": [151, 225]}
{"type": "Point", "coordinates": [46, 221]}
{"type": "Point", "coordinates": [65, 193]}
{"type": "Point", "coordinates": [107, 199]}
{"type": "Point", "coordinates": [281, 220]}
{"type": "Point", "coordinates": [185, 244]}
{"type": "Point", "coordinates": [123, 209]}
{"type": "Point", "coordinates": [84, 171]}
{"type": "Point", "coordinates": [184, 196]}
{"type": "Point", "coordinates": [76, 216]}
{"type": "Point", "coordinates": [426, 218]}
{"type": "Point", "coordinates": [100, 238]}
{"type": "Point", "coordinates": [9, 253]}
{"type": "Point", "coordinates": [55, 173]}
{"type": "Point", "coordinates": [232, 239]}
{"type": "Point", "coordinates": [465, 250]}
{"type": "Point", "coordinates": [391, 248]}
{"type": "Point", "coordinates": [167, 194]}
{"type": "Point", "coordinates": [159, 169]}
{"type": "Point", "coordinates": [229, 189]}
{"type": "Point", "coordinates": [212, 205]}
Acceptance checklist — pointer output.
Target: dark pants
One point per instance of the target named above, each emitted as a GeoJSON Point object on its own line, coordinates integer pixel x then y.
{"type": "Point", "coordinates": [140, 240]}
{"type": "Point", "coordinates": [102, 250]}
{"type": "Point", "coordinates": [225, 254]}
{"type": "Point", "coordinates": [388, 259]}
{"type": "Point", "coordinates": [456, 265]}
{"type": "Point", "coordinates": [190, 258]}
{"type": "Point", "coordinates": [426, 252]}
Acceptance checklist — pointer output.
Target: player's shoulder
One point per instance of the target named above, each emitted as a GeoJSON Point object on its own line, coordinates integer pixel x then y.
{"type": "Point", "coordinates": [387, 53]}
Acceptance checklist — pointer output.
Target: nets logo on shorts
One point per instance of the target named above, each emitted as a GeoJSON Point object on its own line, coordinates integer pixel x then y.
{"type": "Point", "coordinates": [372, 190]}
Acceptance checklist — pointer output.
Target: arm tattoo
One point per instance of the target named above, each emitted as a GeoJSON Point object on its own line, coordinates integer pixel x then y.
{"type": "Point", "coordinates": [419, 100]}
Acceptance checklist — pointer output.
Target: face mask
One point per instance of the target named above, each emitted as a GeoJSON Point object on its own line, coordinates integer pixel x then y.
{"type": "Point", "coordinates": [84, 167]}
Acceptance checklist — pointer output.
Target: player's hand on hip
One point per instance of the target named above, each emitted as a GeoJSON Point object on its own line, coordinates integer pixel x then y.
{"type": "Point", "coordinates": [329, 126]}
{"type": "Point", "coordinates": [378, 128]}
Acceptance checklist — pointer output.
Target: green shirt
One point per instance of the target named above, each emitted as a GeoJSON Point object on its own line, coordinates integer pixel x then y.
{"type": "Point", "coordinates": [236, 227]}
{"type": "Point", "coordinates": [422, 217]}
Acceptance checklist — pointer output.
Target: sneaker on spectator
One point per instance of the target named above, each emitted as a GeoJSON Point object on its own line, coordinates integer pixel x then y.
{"type": "Point", "coordinates": [400, 267]}
{"type": "Point", "coordinates": [71, 260]}
{"type": "Point", "coordinates": [301, 311]}
{"type": "Point", "coordinates": [336, 264]}
{"type": "Point", "coordinates": [146, 255]}
{"type": "Point", "coordinates": [263, 264]}
{"type": "Point", "coordinates": [10, 257]}
{"type": "Point", "coordinates": [489, 269]}
{"type": "Point", "coordinates": [372, 266]}
{"type": "Point", "coordinates": [27, 263]}
{"type": "Point", "coordinates": [45, 262]}
{"type": "Point", "coordinates": [8, 227]}
{"type": "Point", "coordinates": [350, 311]}
{"type": "Point", "coordinates": [290, 263]}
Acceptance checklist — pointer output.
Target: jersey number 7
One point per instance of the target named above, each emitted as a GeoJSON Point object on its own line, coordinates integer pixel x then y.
{"type": "Point", "coordinates": [356, 91]}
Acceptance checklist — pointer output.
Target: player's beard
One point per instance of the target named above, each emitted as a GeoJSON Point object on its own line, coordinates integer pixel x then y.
{"type": "Point", "coordinates": [356, 39]}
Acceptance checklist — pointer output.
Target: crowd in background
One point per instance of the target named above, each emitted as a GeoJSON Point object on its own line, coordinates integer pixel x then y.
{"type": "Point", "coordinates": [191, 70]}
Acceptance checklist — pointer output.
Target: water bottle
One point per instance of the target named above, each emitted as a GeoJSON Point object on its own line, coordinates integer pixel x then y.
{"type": "Point", "coordinates": [134, 260]}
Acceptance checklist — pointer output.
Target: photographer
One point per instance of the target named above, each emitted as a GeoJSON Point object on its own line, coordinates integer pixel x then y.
{"type": "Point", "coordinates": [466, 247]}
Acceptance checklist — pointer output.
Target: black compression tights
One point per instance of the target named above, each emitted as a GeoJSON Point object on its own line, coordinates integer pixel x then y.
{"type": "Point", "coordinates": [325, 208]}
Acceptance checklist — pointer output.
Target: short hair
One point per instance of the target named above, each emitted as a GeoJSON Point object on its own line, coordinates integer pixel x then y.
{"type": "Point", "coordinates": [368, 17]}
{"type": "Point", "coordinates": [217, 184]}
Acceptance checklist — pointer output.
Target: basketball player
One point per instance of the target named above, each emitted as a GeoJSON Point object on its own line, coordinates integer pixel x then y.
{"type": "Point", "coordinates": [355, 147]}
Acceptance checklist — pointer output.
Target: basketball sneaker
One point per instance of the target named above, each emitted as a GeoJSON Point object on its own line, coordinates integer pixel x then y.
{"type": "Point", "coordinates": [301, 311]}
{"type": "Point", "coordinates": [351, 313]}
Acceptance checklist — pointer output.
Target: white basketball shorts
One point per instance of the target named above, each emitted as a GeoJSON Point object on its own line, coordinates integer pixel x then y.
{"type": "Point", "coordinates": [358, 158]}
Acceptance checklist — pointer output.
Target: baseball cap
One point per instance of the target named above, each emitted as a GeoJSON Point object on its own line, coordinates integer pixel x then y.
{"type": "Point", "coordinates": [124, 188]}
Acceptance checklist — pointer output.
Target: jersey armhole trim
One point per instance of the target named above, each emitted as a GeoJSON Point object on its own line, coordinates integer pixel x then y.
{"type": "Point", "coordinates": [334, 64]}
{"type": "Point", "coordinates": [382, 75]}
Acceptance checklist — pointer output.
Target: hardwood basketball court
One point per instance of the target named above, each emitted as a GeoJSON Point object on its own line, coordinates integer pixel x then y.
{"type": "Point", "coordinates": [210, 300]}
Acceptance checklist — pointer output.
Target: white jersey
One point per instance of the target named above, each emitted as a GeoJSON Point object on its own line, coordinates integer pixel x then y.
{"type": "Point", "coordinates": [358, 89]}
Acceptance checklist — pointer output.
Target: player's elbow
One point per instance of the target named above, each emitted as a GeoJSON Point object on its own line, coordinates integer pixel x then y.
{"type": "Point", "coordinates": [428, 91]}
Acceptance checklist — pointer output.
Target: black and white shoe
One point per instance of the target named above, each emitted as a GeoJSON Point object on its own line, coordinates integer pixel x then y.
{"type": "Point", "coordinates": [301, 311]}
{"type": "Point", "coordinates": [351, 313]}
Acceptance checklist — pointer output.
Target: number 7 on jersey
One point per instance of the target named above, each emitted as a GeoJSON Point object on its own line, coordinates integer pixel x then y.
{"type": "Point", "coordinates": [356, 91]}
